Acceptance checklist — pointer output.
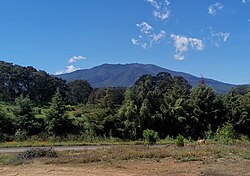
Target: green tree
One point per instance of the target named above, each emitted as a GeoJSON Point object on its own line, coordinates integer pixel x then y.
{"type": "Point", "coordinates": [59, 123]}
{"type": "Point", "coordinates": [25, 118]}
{"type": "Point", "coordinates": [7, 127]}
{"type": "Point", "coordinates": [79, 91]}
{"type": "Point", "coordinates": [205, 109]}
{"type": "Point", "coordinates": [150, 136]}
{"type": "Point", "coordinates": [238, 111]}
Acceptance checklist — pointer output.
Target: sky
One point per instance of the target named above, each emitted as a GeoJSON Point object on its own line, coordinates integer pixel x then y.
{"type": "Point", "coordinates": [209, 37]}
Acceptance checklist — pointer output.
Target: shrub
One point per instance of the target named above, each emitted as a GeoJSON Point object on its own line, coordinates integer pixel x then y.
{"type": "Point", "coordinates": [150, 136]}
{"type": "Point", "coordinates": [209, 134]}
{"type": "Point", "coordinates": [37, 153]}
{"type": "Point", "coordinates": [179, 141]}
{"type": "Point", "coordinates": [21, 135]}
{"type": "Point", "coordinates": [225, 134]}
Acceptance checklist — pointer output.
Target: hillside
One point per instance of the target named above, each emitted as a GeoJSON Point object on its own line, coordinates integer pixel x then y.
{"type": "Point", "coordinates": [125, 75]}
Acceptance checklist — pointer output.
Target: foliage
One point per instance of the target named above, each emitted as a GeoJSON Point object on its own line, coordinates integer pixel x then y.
{"type": "Point", "coordinates": [59, 123]}
{"type": "Point", "coordinates": [6, 126]}
{"type": "Point", "coordinates": [225, 134]}
{"type": "Point", "coordinates": [21, 135]}
{"type": "Point", "coordinates": [79, 91]}
{"type": "Point", "coordinates": [179, 141]}
{"type": "Point", "coordinates": [25, 118]}
{"type": "Point", "coordinates": [150, 136]}
{"type": "Point", "coordinates": [163, 103]}
{"type": "Point", "coordinates": [39, 86]}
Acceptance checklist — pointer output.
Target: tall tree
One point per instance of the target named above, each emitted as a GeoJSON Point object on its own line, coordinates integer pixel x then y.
{"type": "Point", "coordinates": [59, 123]}
{"type": "Point", "coordinates": [206, 110]}
{"type": "Point", "coordinates": [25, 118]}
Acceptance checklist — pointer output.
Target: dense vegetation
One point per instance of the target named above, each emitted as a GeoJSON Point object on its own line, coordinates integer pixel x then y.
{"type": "Point", "coordinates": [34, 103]}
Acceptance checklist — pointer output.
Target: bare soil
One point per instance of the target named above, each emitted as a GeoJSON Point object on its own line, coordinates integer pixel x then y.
{"type": "Point", "coordinates": [144, 167]}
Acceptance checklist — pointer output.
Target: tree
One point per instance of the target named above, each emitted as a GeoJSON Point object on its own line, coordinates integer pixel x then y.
{"type": "Point", "coordinates": [79, 91]}
{"type": "Point", "coordinates": [205, 109]}
{"type": "Point", "coordinates": [155, 102]}
{"type": "Point", "coordinates": [59, 123]}
{"type": "Point", "coordinates": [238, 111]}
{"type": "Point", "coordinates": [25, 118]}
{"type": "Point", "coordinates": [7, 127]}
{"type": "Point", "coordinates": [150, 136]}
{"type": "Point", "coordinates": [39, 86]}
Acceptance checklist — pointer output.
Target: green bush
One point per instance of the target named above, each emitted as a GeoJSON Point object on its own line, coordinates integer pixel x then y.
{"type": "Point", "coordinates": [150, 136]}
{"type": "Point", "coordinates": [179, 141]}
{"type": "Point", "coordinates": [209, 134]}
{"type": "Point", "coordinates": [21, 135]}
{"type": "Point", "coordinates": [225, 134]}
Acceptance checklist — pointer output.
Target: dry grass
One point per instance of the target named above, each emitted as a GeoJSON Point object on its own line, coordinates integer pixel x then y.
{"type": "Point", "coordinates": [187, 153]}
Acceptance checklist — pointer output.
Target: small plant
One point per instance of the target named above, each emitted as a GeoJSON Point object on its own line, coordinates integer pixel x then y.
{"type": "Point", "coordinates": [225, 134]}
{"type": "Point", "coordinates": [209, 134]}
{"type": "Point", "coordinates": [21, 135]}
{"type": "Point", "coordinates": [179, 141]}
{"type": "Point", "coordinates": [150, 136]}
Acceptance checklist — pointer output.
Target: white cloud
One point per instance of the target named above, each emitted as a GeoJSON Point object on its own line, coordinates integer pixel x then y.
{"type": "Point", "coordinates": [59, 72]}
{"type": "Point", "coordinates": [196, 43]}
{"type": "Point", "coordinates": [218, 37]}
{"type": "Point", "coordinates": [144, 45]}
{"type": "Point", "coordinates": [221, 35]}
{"type": "Point", "coordinates": [69, 69]}
{"type": "Point", "coordinates": [154, 3]}
{"type": "Point", "coordinates": [146, 37]}
{"type": "Point", "coordinates": [212, 9]}
{"type": "Point", "coordinates": [155, 38]}
{"type": "Point", "coordinates": [182, 43]}
{"type": "Point", "coordinates": [135, 42]}
{"type": "Point", "coordinates": [145, 27]}
{"type": "Point", "coordinates": [161, 10]}
{"type": "Point", "coordinates": [76, 58]}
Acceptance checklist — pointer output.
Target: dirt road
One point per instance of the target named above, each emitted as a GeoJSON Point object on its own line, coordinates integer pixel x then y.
{"type": "Point", "coordinates": [56, 148]}
{"type": "Point", "coordinates": [133, 168]}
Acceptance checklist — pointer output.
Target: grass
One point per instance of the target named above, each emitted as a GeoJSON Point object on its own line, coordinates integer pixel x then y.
{"type": "Point", "coordinates": [184, 154]}
{"type": "Point", "coordinates": [190, 152]}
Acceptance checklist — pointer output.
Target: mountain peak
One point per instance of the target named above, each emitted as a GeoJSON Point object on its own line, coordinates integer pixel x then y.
{"type": "Point", "coordinates": [125, 75]}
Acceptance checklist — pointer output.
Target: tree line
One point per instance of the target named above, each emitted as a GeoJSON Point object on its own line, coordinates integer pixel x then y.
{"type": "Point", "coordinates": [47, 106]}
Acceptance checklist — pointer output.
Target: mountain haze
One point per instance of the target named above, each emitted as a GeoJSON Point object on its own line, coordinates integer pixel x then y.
{"type": "Point", "coordinates": [125, 75]}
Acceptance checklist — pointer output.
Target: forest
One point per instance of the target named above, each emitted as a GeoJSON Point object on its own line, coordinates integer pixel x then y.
{"type": "Point", "coordinates": [34, 103]}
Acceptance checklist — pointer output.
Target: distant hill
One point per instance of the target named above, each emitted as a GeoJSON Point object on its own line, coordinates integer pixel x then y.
{"type": "Point", "coordinates": [125, 75]}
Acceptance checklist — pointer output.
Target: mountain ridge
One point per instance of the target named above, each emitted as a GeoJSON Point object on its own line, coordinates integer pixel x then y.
{"type": "Point", "coordinates": [125, 75]}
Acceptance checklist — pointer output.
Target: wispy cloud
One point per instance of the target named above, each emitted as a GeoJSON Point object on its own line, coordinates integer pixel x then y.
{"type": "Point", "coordinates": [156, 38]}
{"type": "Point", "coordinates": [161, 9]}
{"type": "Point", "coordinates": [182, 43]}
{"type": "Point", "coordinates": [69, 69]}
{"type": "Point", "coordinates": [145, 27]}
{"type": "Point", "coordinates": [76, 59]}
{"type": "Point", "coordinates": [218, 37]}
{"type": "Point", "coordinates": [212, 9]}
{"type": "Point", "coordinates": [135, 42]}
{"type": "Point", "coordinates": [146, 37]}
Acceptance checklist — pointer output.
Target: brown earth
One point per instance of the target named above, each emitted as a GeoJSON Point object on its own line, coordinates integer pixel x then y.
{"type": "Point", "coordinates": [146, 167]}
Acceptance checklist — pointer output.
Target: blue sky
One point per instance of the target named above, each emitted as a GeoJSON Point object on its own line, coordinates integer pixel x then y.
{"type": "Point", "coordinates": [208, 37]}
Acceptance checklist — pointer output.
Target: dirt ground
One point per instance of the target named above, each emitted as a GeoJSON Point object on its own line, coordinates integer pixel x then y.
{"type": "Point", "coordinates": [220, 167]}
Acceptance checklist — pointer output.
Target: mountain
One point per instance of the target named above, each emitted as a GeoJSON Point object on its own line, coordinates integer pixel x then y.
{"type": "Point", "coordinates": [125, 75]}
